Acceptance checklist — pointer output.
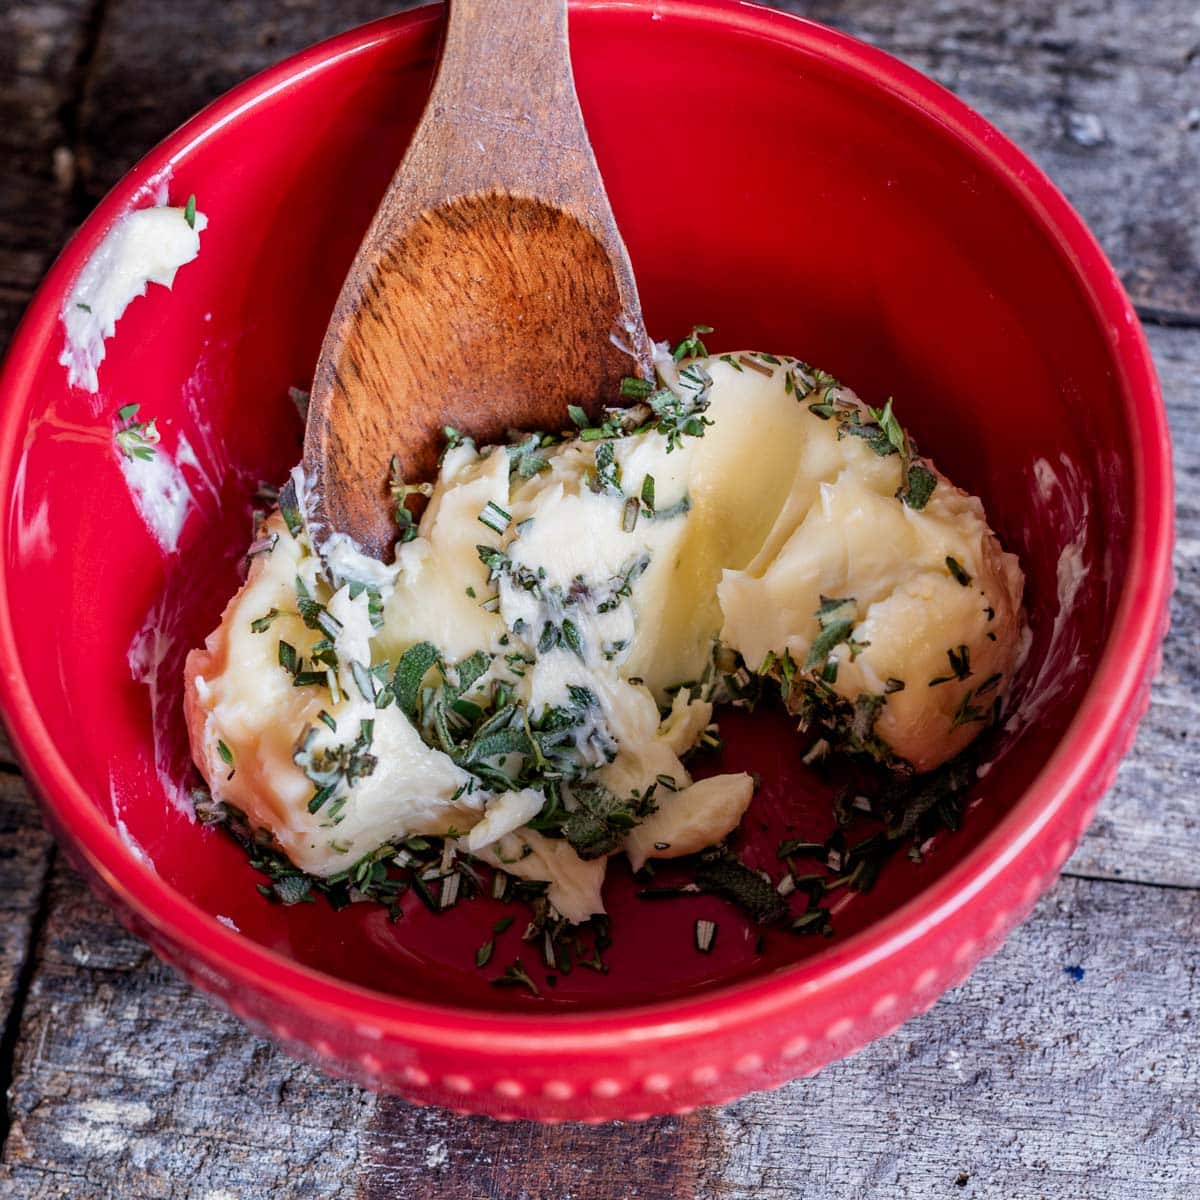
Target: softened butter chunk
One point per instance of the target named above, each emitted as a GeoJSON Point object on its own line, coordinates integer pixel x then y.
{"type": "Point", "coordinates": [531, 674]}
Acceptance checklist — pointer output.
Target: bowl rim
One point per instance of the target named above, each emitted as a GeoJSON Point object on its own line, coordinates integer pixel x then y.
{"type": "Point", "coordinates": [1104, 714]}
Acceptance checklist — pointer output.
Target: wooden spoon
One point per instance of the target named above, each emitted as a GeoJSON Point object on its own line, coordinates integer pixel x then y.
{"type": "Point", "coordinates": [492, 289]}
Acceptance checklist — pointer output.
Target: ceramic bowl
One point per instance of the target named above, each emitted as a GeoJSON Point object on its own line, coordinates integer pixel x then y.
{"type": "Point", "coordinates": [801, 192]}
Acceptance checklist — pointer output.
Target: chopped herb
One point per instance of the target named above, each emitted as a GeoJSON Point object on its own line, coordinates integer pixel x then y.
{"type": "Point", "coordinates": [87, 308]}
{"type": "Point", "coordinates": [746, 361]}
{"type": "Point", "coordinates": [289, 508]}
{"type": "Point", "coordinates": [799, 848]}
{"type": "Point", "coordinates": [629, 515]}
{"type": "Point", "coordinates": [136, 439]}
{"type": "Point", "coordinates": [633, 388]}
{"type": "Point", "coordinates": [364, 681]}
{"type": "Point", "coordinates": [680, 508]}
{"type": "Point", "coordinates": [601, 819]}
{"type": "Point", "coordinates": [494, 517]}
{"type": "Point", "coordinates": [288, 658]}
{"type": "Point", "coordinates": [890, 426]}
{"type": "Point", "coordinates": [648, 492]}
{"type": "Point", "coordinates": [835, 618]}
{"type": "Point", "coordinates": [691, 346]}
{"type": "Point", "coordinates": [967, 713]}
{"type": "Point", "coordinates": [515, 975]}
{"type": "Point", "coordinates": [607, 477]}
{"type": "Point", "coordinates": [918, 487]}
{"type": "Point", "coordinates": [723, 874]}
{"type": "Point", "coordinates": [400, 492]}
{"type": "Point", "coordinates": [960, 665]}
{"type": "Point", "coordinates": [816, 920]}
{"type": "Point", "coordinates": [676, 414]}
{"type": "Point", "coordinates": [225, 753]}
{"type": "Point", "coordinates": [335, 769]}
{"type": "Point", "coordinates": [410, 670]}
{"type": "Point", "coordinates": [450, 889]}
{"type": "Point", "coordinates": [263, 623]}
{"type": "Point", "coordinates": [189, 211]}
{"type": "Point", "coordinates": [956, 569]}
{"type": "Point", "coordinates": [314, 614]}
{"type": "Point", "coordinates": [992, 681]}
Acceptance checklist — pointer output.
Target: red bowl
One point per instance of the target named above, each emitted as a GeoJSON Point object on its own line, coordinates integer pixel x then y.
{"type": "Point", "coordinates": [798, 190]}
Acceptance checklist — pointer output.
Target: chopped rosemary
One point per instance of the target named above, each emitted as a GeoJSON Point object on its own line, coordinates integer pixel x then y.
{"type": "Point", "coordinates": [189, 211]}
{"type": "Point", "coordinates": [691, 346]}
{"type": "Point", "coordinates": [515, 975]}
{"type": "Point", "coordinates": [753, 364]}
{"type": "Point", "coordinates": [494, 517]}
{"type": "Point", "coordinates": [648, 492]}
{"type": "Point", "coordinates": [956, 569]}
{"type": "Point", "coordinates": [633, 388]}
{"type": "Point", "coordinates": [136, 439]}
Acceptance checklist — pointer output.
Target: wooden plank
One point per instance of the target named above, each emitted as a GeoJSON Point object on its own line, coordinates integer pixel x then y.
{"type": "Point", "coordinates": [1103, 94]}
{"type": "Point", "coordinates": [42, 54]}
{"type": "Point", "coordinates": [25, 853]}
{"type": "Point", "coordinates": [1148, 826]}
{"type": "Point", "coordinates": [1027, 1080]}
{"type": "Point", "coordinates": [128, 1084]}
{"type": "Point", "coordinates": [157, 64]}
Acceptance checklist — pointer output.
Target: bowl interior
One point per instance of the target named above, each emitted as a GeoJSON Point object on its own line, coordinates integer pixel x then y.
{"type": "Point", "coordinates": [770, 187]}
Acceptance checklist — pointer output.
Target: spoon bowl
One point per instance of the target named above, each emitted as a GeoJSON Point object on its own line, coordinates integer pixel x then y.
{"type": "Point", "coordinates": [492, 289]}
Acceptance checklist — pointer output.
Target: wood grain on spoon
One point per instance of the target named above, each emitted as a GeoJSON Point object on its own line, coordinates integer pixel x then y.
{"type": "Point", "coordinates": [492, 289]}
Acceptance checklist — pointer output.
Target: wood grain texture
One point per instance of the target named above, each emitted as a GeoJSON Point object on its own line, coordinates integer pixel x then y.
{"type": "Point", "coordinates": [1028, 1080]}
{"type": "Point", "coordinates": [25, 857]}
{"type": "Point", "coordinates": [1148, 826]}
{"type": "Point", "coordinates": [492, 289]}
{"type": "Point", "coordinates": [1103, 94]}
{"type": "Point", "coordinates": [1023, 1083]}
{"type": "Point", "coordinates": [43, 56]}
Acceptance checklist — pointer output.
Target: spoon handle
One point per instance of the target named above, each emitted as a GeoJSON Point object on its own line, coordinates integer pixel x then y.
{"type": "Point", "coordinates": [504, 114]}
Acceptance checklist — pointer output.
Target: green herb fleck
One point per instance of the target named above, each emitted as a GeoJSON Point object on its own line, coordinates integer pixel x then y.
{"type": "Point", "coordinates": [515, 975]}
{"type": "Point", "coordinates": [136, 439]}
{"type": "Point", "coordinates": [957, 570]}
{"type": "Point", "coordinates": [648, 492]}
{"type": "Point", "coordinates": [691, 346]}
{"type": "Point", "coordinates": [633, 388]}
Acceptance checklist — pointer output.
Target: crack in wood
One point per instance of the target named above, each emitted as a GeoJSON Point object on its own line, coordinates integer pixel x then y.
{"type": "Point", "coordinates": [11, 1031]}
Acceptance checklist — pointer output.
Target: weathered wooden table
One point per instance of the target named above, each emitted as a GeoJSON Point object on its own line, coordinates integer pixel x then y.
{"type": "Point", "coordinates": [1067, 1066]}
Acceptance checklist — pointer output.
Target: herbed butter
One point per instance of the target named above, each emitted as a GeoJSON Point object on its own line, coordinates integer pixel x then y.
{"type": "Point", "coordinates": [529, 677]}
